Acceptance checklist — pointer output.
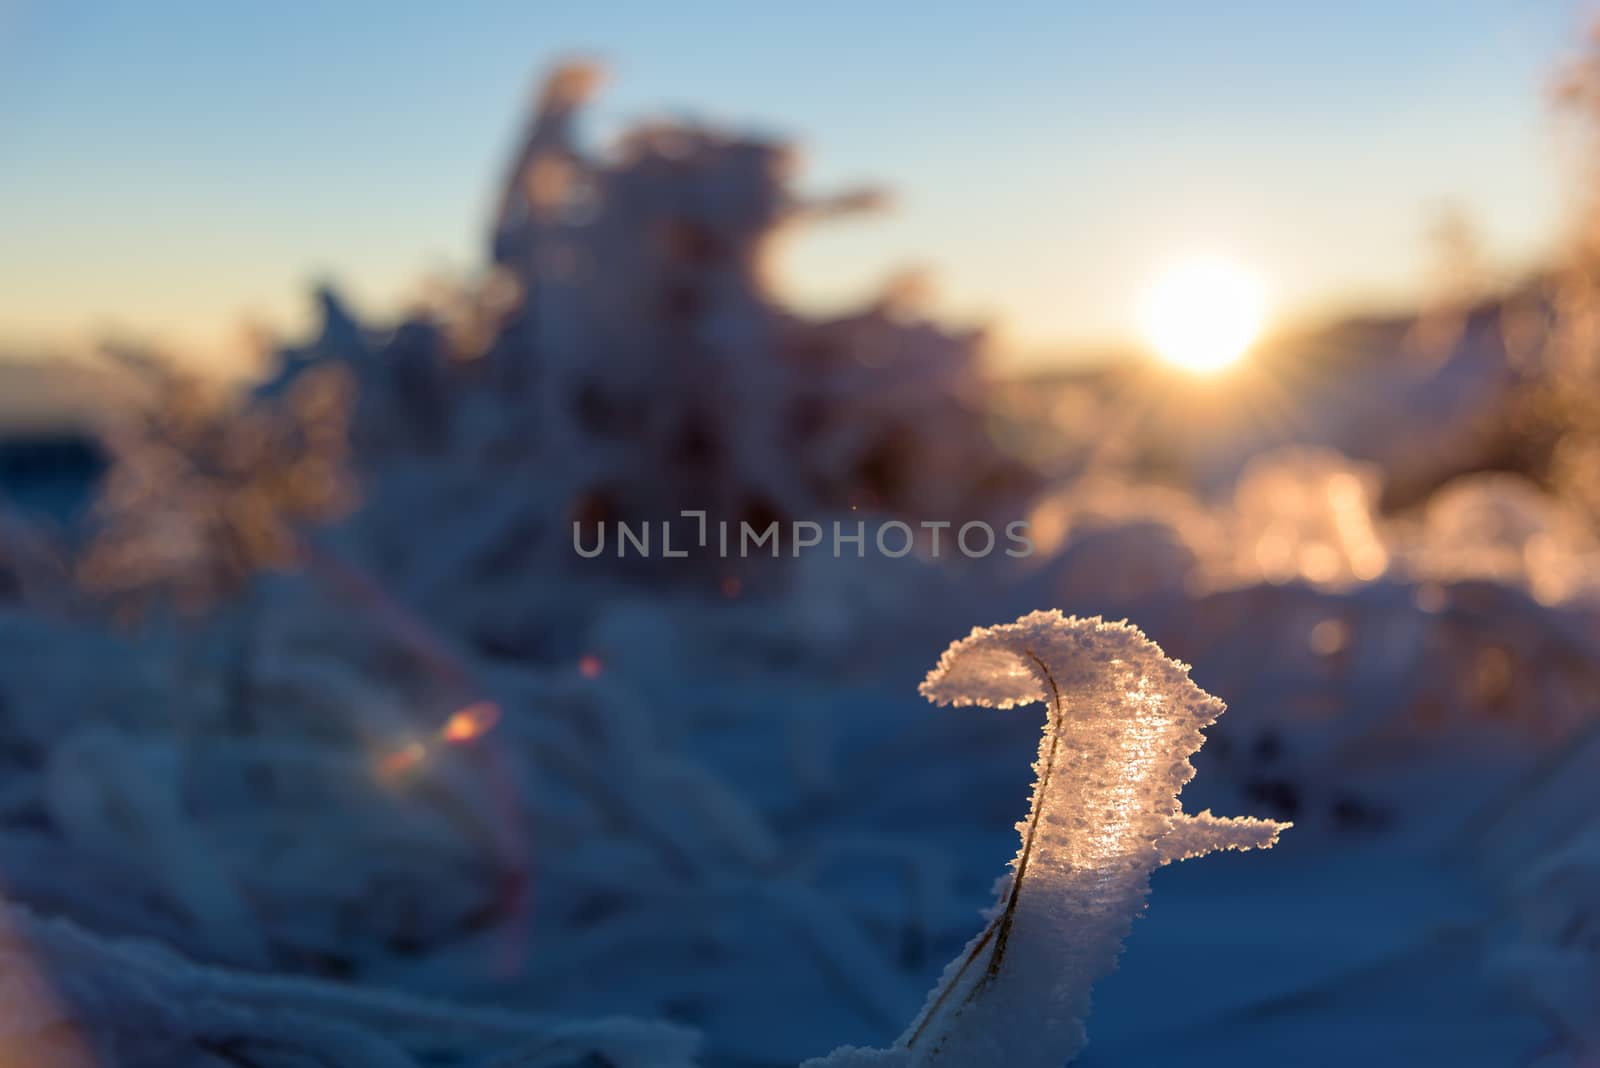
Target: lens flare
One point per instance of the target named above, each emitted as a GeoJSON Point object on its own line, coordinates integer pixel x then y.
{"type": "Point", "coordinates": [401, 760]}
{"type": "Point", "coordinates": [471, 722]}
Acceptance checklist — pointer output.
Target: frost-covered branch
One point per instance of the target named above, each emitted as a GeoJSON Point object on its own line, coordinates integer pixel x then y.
{"type": "Point", "coordinates": [1123, 721]}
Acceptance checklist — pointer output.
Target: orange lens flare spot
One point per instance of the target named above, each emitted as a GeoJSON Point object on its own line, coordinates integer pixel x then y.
{"type": "Point", "coordinates": [398, 762]}
{"type": "Point", "coordinates": [589, 666]}
{"type": "Point", "coordinates": [471, 722]}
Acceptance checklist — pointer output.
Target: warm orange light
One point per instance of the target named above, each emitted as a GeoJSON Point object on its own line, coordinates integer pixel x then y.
{"type": "Point", "coordinates": [399, 761]}
{"type": "Point", "coordinates": [589, 666]}
{"type": "Point", "coordinates": [471, 722]}
{"type": "Point", "coordinates": [1202, 314]}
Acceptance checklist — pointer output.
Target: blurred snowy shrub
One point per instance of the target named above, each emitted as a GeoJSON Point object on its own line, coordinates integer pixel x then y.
{"type": "Point", "coordinates": [1113, 541]}
{"type": "Point", "coordinates": [205, 490]}
{"type": "Point", "coordinates": [35, 566]}
{"type": "Point", "coordinates": [1502, 527]}
{"type": "Point", "coordinates": [1308, 514]}
{"type": "Point", "coordinates": [629, 359]}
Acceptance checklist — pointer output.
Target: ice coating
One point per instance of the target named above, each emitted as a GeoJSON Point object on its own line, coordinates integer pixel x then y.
{"type": "Point", "coordinates": [1123, 721]}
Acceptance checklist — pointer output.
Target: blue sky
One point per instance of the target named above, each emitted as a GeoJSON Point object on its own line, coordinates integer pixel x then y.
{"type": "Point", "coordinates": [169, 169]}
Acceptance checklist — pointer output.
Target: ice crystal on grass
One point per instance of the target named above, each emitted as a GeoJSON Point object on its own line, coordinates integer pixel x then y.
{"type": "Point", "coordinates": [1122, 722]}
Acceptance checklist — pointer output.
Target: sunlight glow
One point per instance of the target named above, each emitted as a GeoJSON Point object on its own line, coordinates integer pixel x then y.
{"type": "Point", "coordinates": [470, 723]}
{"type": "Point", "coordinates": [1202, 314]}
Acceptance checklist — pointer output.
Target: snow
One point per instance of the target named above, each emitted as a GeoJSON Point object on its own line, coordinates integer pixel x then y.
{"type": "Point", "coordinates": [319, 745]}
{"type": "Point", "coordinates": [1122, 721]}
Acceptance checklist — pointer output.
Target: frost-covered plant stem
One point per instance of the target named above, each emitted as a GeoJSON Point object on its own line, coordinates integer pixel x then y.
{"type": "Point", "coordinates": [998, 930]}
{"type": "Point", "coordinates": [1123, 721]}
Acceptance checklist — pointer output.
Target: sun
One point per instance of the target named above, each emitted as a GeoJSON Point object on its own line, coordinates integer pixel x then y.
{"type": "Point", "coordinates": [1203, 313]}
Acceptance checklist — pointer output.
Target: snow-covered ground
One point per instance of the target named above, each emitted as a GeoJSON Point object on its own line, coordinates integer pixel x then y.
{"type": "Point", "coordinates": [320, 744]}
